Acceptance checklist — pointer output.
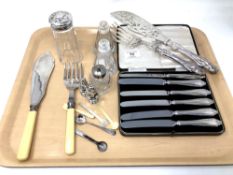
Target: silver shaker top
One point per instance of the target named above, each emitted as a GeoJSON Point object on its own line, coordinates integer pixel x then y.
{"type": "Point", "coordinates": [60, 20]}
{"type": "Point", "coordinates": [99, 71]}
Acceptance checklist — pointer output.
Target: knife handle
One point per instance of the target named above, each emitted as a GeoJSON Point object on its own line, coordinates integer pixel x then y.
{"type": "Point", "coordinates": [202, 62]}
{"type": "Point", "coordinates": [197, 102]}
{"type": "Point", "coordinates": [210, 122]}
{"type": "Point", "coordinates": [26, 140]}
{"type": "Point", "coordinates": [193, 83]}
{"type": "Point", "coordinates": [190, 66]}
{"type": "Point", "coordinates": [208, 112]}
{"type": "Point", "coordinates": [194, 92]}
{"type": "Point", "coordinates": [70, 132]}
{"type": "Point", "coordinates": [185, 76]}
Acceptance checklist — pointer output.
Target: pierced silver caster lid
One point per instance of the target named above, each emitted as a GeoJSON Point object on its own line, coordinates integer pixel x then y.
{"type": "Point", "coordinates": [60, 20]}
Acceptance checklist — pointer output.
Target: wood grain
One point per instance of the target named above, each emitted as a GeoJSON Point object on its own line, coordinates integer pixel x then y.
{"type": "Point", "coordinates": [49, 139]}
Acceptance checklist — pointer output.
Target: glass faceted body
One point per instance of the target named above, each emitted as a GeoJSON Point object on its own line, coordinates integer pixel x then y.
{"type": "Point", "coordinates": [105, 56]}
{"type": "Point", "coordinates": [104, 33]}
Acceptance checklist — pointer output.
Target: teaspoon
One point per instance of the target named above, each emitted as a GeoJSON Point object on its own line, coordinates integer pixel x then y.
{"type": "Point", "coordinates": [81, 119]}
{"type": "Point", "coordinates": [101, 145]}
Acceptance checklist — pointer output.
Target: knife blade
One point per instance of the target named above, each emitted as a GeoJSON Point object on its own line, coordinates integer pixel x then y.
{"type": "Point", "coordinates": [150, 103]}
{"type": "Point", "coordinates": [170, 124]}
{"type": "Point", "coordinates": [146, 30]}
{"type": "Point", "coordinates": [158, 114]}
{"type": "Point", "coordinates": [161, 82]}
{"type": "Point", "coordinates": [40, 75]}
{"type": "Point", "coordinates": [161, 93]}
{"type": "Point", "coordinates": [153, 75]}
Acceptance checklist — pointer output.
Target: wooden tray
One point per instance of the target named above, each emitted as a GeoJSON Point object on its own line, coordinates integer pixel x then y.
{"type": "Point", "coordinates": [48, 146]}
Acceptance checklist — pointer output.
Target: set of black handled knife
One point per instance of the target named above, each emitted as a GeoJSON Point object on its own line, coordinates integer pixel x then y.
{"type": "Point", "coordinates": [167, 103]}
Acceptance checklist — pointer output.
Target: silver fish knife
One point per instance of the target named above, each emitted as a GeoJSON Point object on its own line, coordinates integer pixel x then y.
{"type": "Point", "coordinates": [40, 75]}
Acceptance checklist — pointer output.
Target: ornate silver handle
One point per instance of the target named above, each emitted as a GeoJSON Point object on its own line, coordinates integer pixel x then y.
{"type": "Point", "coordinates": [210, 122]}
{"type": "Point", "coordinates": [198, 112]}
{"type": "Point", "coordinates": [190, 66]}
{"type": "Point", "coordinates": [202, 62]}
{"type": "Point", "coordinates": [195, 92]}
{"type": "Point", "coordinates": [197, 101]}
{"type": "Point", "coordinates": [194, 83]}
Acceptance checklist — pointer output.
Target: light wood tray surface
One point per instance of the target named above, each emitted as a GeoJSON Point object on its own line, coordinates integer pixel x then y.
{"type": "Point", "coordinates": [48, 145]}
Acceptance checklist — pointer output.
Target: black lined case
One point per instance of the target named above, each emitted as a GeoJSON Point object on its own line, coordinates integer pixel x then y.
{"type": "Point", "coordinates": [166, 126]}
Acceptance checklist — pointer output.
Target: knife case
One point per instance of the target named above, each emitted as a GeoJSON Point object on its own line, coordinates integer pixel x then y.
{"type": "Point", "coordinates": [141, 61]}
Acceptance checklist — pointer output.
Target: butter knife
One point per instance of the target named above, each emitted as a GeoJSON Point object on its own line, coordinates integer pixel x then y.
{"type": "Point", "coordinates": [41, 72]}
{"type": "Point", "coordinates": [167, 114]}
{"type": "Point", "coordinates": [160, 82]}
{"type": "Point", "coordinates": [144, 103]}
{"type": "Point", "coordinates": [159, 125]}
{"type": "Point", "coordinates": [158, 75]}
{"type": "Point", "coordinates": [161, 93]}
{"type": "Point", "coordinates": [143, 28]}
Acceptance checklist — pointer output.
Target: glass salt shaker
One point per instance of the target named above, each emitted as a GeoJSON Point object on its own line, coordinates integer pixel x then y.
{"type": "Point", "coordinates": [100, 79]}
{"type": "Point", "coordinates": [104, 33]}
{"type": "Point", "coordinates": [66, 43]}
{"type": "Point", "coordinates": [105, 56]}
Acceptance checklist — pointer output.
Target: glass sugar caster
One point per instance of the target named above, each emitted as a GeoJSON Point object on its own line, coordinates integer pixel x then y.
{"type": "Point", "coordinates": [65, 39]}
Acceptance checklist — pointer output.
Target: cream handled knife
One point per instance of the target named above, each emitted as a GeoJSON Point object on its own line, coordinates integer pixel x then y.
{"type": "Point", "coordinates": [41, 72]}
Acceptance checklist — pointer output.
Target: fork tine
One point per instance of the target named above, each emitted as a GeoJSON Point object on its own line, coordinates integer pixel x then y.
{"type": "Point", "coordinates": [119, 37]}
{"type": "Point", "coordinates": [76, 72]}
{"type": "Point", "coordinates": [72, 71]}
{"type": "Point", "coordinates": [65, 72]}
{"type": "Point", "coordinates": [68, 71]}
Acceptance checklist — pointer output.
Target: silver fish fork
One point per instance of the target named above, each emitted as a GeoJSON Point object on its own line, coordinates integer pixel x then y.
{"type": "Point", "coordinates": [121, 35]}
{"type": "Point", "coordinates": [71, 82]}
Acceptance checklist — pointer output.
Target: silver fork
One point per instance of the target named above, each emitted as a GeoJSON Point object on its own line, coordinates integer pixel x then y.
{"type": "Point", "coordinates": [71, 82]}
{"type": "Point", "coordinates": [121, 35]}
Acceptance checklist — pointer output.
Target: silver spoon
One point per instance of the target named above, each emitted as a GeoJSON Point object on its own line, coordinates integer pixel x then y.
{"type": "Point", "coordinates": [81, 119]}
{"type": "Point", "coordinates": [101, 145]}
